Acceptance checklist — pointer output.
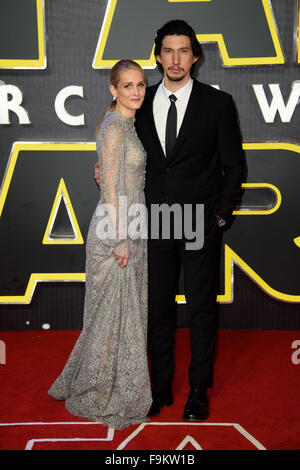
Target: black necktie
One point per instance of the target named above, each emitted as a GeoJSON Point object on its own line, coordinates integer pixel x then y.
{"type": "Point", "coordinates": [171, 127]}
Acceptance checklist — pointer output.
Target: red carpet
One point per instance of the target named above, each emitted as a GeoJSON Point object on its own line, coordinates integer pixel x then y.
{"type": "Point", "coordinates": [254, 403]}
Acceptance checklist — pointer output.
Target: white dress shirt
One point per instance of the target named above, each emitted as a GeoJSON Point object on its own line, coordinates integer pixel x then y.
{"type": "Point", "coordinates": [161, 104]}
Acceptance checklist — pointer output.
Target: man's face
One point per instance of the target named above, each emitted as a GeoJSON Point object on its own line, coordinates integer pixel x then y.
{"type": "Point", "coordinates": [176, 57]}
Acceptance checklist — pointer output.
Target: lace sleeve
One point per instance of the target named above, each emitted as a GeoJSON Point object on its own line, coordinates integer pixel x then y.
{"type": "Point", "coordinates": [113, 210]}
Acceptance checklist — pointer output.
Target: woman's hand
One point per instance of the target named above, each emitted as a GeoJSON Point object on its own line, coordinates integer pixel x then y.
{"type": "Point", "coordinates": [97, 174]}
{"type": "Point", "coordinates": [121, 254]}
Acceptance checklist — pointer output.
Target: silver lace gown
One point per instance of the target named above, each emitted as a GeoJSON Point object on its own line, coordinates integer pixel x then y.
{"type": "Point", "coordinates": [106, 376]}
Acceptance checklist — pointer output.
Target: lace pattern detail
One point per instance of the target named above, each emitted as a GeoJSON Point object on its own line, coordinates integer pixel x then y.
{"type": "Point", "coordinates": [106, 376]}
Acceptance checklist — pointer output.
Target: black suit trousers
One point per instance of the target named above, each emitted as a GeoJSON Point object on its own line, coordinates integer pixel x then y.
{"type": "Point", "coordinates": [201, 274]}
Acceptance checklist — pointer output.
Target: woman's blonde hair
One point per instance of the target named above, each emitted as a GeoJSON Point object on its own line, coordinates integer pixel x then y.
{"type": "Point", "coordinates": [115, 76]}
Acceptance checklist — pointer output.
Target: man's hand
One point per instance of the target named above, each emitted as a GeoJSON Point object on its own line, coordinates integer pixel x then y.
{"type": "Point", "coordinates": [221, 222]}
{"type": "Point", "coordinates": [97, 174]}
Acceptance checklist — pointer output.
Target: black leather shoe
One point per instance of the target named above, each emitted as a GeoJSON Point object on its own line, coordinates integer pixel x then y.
{"type": "Point", "coordinates": [160, 399]}
{"type": "Point", "coordinates": [197, 407]}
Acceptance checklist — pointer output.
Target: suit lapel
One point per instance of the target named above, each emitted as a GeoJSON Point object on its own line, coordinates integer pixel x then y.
{"type": "Point", "coordinates": [151, 128]}
{"type": "Point", "coordinates": [191, 112]}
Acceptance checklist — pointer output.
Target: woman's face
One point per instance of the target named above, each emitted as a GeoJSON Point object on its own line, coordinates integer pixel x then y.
{"type": "Point", "coordinates": [130, 91]}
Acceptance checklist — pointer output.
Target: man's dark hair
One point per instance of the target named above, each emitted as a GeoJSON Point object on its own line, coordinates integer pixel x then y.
{"type": "Point", "coordinates": [178, 28]}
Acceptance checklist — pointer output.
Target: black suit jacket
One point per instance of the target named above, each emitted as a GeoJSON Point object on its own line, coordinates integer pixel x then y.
{"type": "Point", "coordinates": [207, 162]}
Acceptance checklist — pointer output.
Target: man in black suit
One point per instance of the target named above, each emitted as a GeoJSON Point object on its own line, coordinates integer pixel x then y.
{"type": "Point", "coordinates": [204, 164]}
{"type": "Point", "coordinates": [194, 157]}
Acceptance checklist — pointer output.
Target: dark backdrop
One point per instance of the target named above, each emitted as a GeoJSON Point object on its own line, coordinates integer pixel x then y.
{"type": "Point", "coordinates": [259, 280]}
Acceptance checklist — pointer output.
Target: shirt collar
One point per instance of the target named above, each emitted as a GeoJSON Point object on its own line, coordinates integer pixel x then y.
{"type": "Point", "coordinates": [179, 93]}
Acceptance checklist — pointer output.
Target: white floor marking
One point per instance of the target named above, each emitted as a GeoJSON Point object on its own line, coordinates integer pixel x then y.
{"type": "Point", "coordinates": [191, 440]}
{"type": "Point", "coordinates": [110, 433]}
{"type": "Point", "coordinates": [238, 427]}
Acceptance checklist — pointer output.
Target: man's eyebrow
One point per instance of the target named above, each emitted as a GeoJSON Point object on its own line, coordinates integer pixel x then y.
{"type": "Point", "coordinates": [180, 48]}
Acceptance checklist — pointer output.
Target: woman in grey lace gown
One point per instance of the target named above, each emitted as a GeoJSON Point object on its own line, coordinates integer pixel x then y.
{"type": "Point", "coordinates": [106, 377]}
